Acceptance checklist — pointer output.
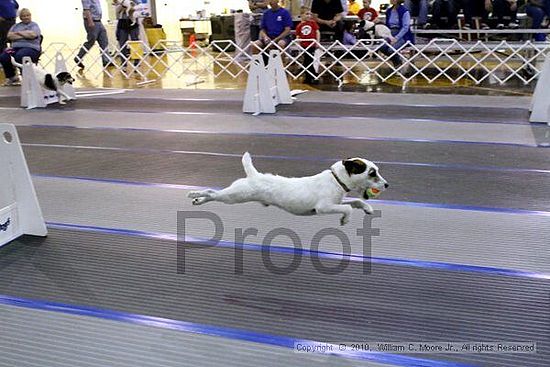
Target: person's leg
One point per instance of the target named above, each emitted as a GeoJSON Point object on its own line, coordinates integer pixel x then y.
{"type": "Point", "coordinates": [91, 37]}
{"type": "Point", "coordinates": [423, 12]}
{"type": "Point", "coordinates": [5, 26]}
{"type": "Point", "coordinates": [339, 30]}
{"type": "Point", "coordinates": [103, 42]}
{"type": "Point", "coordinates": [308, 65]}
{"type": "Point", "coordinates": [9, 69]}
{"type": "Point", "coordinates": [468, 8]}
{"type": "Point", "coordinates": [537, 14]}
{"type": "Point", "coordinates": [254, 32]}
{"type": "Point", "coordinates": [20, 53]}
{"type": "Point", "coordinates": [499, 9]}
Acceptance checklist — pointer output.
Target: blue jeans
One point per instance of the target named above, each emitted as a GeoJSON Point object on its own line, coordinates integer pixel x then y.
{"type": "Point", "coordinates": [537, 14]}
{"type": "Point", "coordinates": [419, 7]}
{"type": "Point", "coordinates": [123, 33]}
{"type": "Point", "coordinates": [5, 59]}
{"type": "Point", "coordinates": [97, 33]}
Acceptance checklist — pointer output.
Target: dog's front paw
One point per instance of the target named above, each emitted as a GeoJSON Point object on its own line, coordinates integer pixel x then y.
{"type": "Point", "coordinates": [368, 209]}
{"type": "Point", "coordinates": [198, 201]}
{"type": "Point", "coordinates": [193, 194]}
{"type": "Point", "coordinates": [62, 102]}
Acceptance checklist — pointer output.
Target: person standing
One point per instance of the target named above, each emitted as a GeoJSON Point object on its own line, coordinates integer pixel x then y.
{"type": "Point", "coordinates": [95, 32]}
{"type": "Point", "coordinates": [257, 7]}
{"type": "Point", "coordinates": [8, 13]}
{"type": "Point", "coordinates": [125, 30]}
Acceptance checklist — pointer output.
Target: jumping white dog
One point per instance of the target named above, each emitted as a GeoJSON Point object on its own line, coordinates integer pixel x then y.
{"type": "Point", "coordinates": [322, 193]}
{"type": "Point", "coordinates": [49, 81]}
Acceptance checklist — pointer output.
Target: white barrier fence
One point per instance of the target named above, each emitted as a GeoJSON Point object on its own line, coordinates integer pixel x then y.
{"type": "Point", "coordinates": [440, 60]}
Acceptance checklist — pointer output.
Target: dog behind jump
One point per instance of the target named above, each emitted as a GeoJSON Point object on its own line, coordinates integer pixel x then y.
{"type": "Point", "coordinates": [323, 193]}
{"type": "Point", "coordinates": [49, 81]}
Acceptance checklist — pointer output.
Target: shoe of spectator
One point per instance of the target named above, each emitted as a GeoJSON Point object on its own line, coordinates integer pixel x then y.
{"type": "Point", "coordinates": [427, 26]}
{"type": "Point", "coordinates": [484, 27]}
{"type": "Point", "coordinates": [513, 25]}
{"type": "Point", "coordinates": [13, 81]}
{"type": "Point", "coordinates": [500, 26]}
{"type": "Point", "coordinates": [78, 63]}
{"type": "Point", "coordinates": [466, 27]}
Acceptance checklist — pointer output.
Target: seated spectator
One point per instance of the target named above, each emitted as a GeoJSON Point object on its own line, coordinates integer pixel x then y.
{"type": "Point", "coordinates": [275, 27]}
{"type": "Point", "coordinates": [367, 13]}
{"type": "Point", "coordinates": [353, 7]}
{"type": "Point", "coordinates": [419, 8]}
{"type": "Point", "coordinates": [398, 20]}
{"type": "Point", "coordinates": [505, 8]}
{"type": "Point", "coordinates": [328, 14]}
{"type": "Point", "coordinates": [349, 38]}
{"type": "Point", "coordinates": [307, 31]}
{"type": "Point", "coordinates": [25, 41]}
{"type": "Point", "coordinates": [473, 8]}
{"type": "Point", "coordinates": [537, 10]}
{"type": "Point", "coordinates": [444, 9]}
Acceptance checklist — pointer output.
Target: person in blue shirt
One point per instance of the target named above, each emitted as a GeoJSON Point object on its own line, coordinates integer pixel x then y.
{"type": "Point", "coordinates": [25, 40]}
{"type": "Point", "coordinates": [275, 27]}
{"type": "Point", "coordinates": [8, 13]}
{"type": "Point", "coordinates": [398, 20]}
{"type": "Point", "coordinates": [95, 32]}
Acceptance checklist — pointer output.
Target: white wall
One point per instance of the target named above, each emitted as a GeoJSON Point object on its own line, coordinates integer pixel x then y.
{"type": "Point", "coordinates": [61, 20]}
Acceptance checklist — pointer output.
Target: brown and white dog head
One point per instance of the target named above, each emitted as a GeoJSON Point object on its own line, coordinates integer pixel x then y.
{"type": "Point", "coordinates": [359, 174]}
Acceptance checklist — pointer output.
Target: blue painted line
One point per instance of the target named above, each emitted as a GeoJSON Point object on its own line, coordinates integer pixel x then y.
{"type": "Point", "coordinates": [320, 136]}
{"type": "Point", "coordinates": [217, 331]}
{"type": "Point", "coordinates": [386, 202]}
{"type": "Point", "coordinates": [462, 167]}
{"type": "Point", "coordinates": [307, 252]}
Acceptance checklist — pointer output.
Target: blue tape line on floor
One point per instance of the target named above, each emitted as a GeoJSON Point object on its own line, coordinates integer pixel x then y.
{"type": "Point", "coordinates": [236, 334]}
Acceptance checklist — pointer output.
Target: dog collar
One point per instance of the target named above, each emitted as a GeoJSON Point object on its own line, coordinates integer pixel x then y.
{"type": "Point", "coordinates": [340, 182]}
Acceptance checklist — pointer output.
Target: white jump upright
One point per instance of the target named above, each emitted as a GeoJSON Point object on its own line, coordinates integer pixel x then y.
{"type": "Point", "coordinates": [19, 209]}
{"type": "Point", "coordinates": [266, 88]}
{"type": "Point", "coordinates": [279, 81]}
{"type": "Point", "coordinates": [60, 67]}
{"type": "Point", "coordinates": [257, 97]}
{"type": "Point", "coordinates": [540, 103]}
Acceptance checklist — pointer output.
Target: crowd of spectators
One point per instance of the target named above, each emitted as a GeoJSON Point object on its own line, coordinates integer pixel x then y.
{"type": "Point", "coordinates": [425, 14]}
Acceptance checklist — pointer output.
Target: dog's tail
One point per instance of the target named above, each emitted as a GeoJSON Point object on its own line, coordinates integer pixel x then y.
{"type": "Point", "coordinates": [249, 168]}
{"type": "Point", "coordinates": [15, 63]}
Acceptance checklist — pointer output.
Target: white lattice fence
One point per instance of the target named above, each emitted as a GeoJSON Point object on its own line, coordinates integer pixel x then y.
{"type": "Point", "coordinates": [447, 60]}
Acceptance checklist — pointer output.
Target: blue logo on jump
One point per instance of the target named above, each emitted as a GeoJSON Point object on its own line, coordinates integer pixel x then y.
{"type": "Point", "coordinates": [4, 227]}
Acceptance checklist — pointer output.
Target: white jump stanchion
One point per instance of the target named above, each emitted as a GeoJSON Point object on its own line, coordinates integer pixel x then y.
{"type": "Point", "coordinates": [257, 97]}
{"type": "Point", "coordinates": [32, 94]}
{"type": "Point", "coordinates": [60, 67]}
{"type": "Point", "coordinates": [19, 209]}
{"type": "Point", "coordinates": [540, 103]}
{"type": "Point", "coordinates": [276, 71]}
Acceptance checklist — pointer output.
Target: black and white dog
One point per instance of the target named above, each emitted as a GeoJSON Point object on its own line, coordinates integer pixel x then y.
{"type": "Point", "coordinates": [323, 193]}
{"type": "Point", "coordinates": [50, 82]}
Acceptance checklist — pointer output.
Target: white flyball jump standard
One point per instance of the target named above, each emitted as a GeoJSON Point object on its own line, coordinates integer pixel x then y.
{"type": "Point", "coordinates": [266, 88]}
{"type": "Point", "coordinates": [61, 66]}
{"type": "Point", "coordinates": [32, 93]}
{"type": "Point", "coordinates": [19, 209]}
{"type": "Point", "coordinates": [540, 103]}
